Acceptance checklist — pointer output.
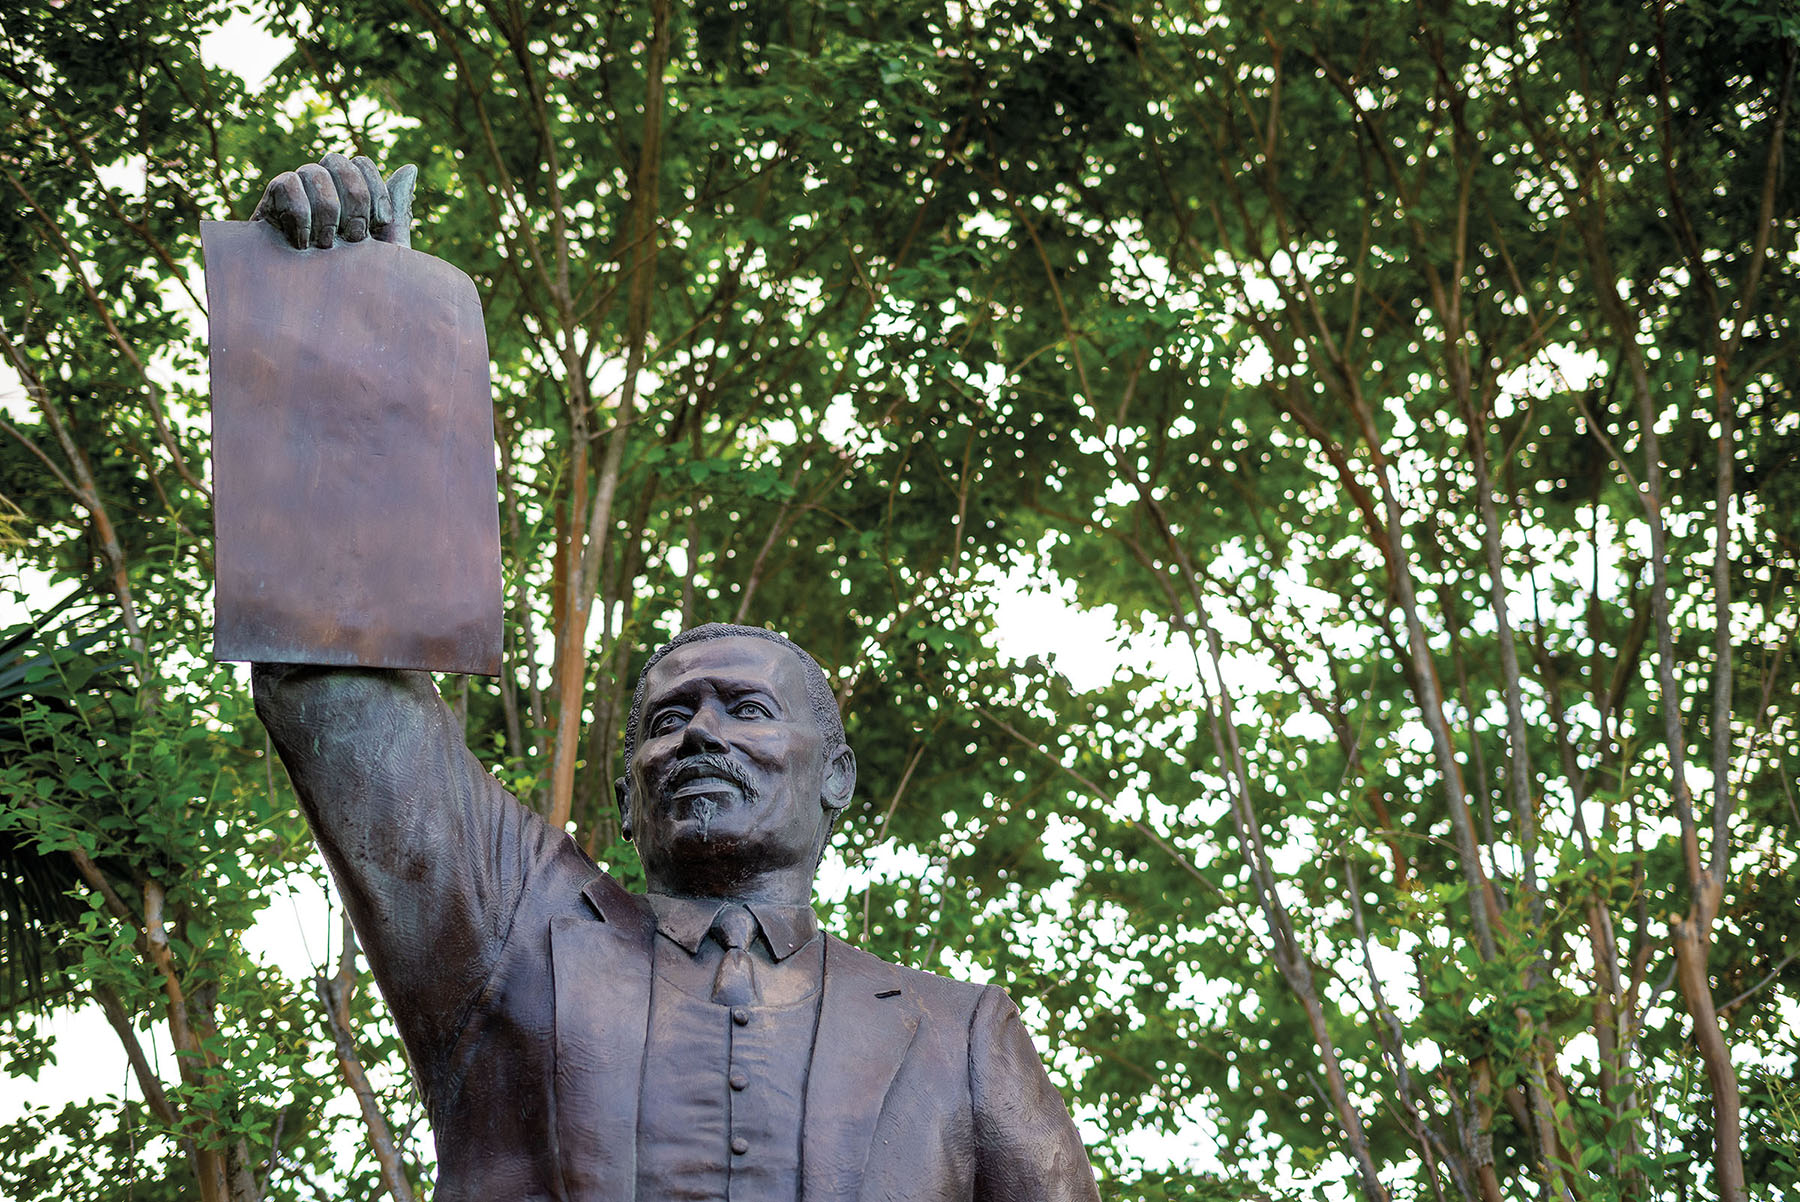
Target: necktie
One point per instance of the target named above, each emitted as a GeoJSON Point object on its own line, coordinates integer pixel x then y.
{"type": "Point", "coordinates": [736, 983]}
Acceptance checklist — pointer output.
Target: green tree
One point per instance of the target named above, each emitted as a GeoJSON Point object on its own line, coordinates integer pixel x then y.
{"type": "Point", "coordinates": [1435, 356]}
{"type": "Point", "coordinates": [1406, 382]}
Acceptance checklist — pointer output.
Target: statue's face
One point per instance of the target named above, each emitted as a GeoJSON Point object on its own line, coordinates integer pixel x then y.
{"type": "Point", "coordinates": [730, 783]}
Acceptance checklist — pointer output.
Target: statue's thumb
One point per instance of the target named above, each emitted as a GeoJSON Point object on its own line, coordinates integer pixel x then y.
{"type": "Point", "coordinates": [400, 195]}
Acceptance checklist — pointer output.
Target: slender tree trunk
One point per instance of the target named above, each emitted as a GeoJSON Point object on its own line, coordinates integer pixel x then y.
{"type": "Point", "coordinates": [643, 240]}
{"type": "Point", "coordinates": [334, 998]}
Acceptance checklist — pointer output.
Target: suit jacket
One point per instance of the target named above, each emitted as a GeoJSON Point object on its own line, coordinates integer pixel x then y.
{"type": "Point", "coordinates": [519, 976]}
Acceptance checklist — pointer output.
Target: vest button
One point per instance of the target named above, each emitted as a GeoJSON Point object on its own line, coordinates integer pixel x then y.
{"type": "Point", "coordinates": [739, 1081]}
{"type": "Point", "coordinates": [740, 1145]}
{"type": "Point", "coordinates": [740, 1016]}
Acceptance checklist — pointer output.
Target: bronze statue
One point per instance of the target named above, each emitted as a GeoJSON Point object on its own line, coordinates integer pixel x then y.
{"type": "Point", "coordinates": [706, 1040]}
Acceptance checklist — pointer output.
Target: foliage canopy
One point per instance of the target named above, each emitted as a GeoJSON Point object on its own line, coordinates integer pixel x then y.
{"type": "Point", "coordinates": [1409, 384]}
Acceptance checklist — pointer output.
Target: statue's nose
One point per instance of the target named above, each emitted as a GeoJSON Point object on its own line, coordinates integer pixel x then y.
{"type": "Point", "coordinates": [702, 733]}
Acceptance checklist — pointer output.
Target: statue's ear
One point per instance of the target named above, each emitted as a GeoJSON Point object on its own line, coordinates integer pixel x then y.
{"type": "Point", "coordinates": [622, 794]}
{"type": "Point", "coordinates": [840, 779]}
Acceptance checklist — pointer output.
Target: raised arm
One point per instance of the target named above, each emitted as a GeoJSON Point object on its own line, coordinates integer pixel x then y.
{"type": "Point", "coordinates": [430, 854]}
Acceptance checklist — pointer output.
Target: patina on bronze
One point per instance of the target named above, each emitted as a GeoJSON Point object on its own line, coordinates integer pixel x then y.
{"type": "Point", "coordinates": [353, 455]}
{"type": "Point", "coordinates": [576, 1041]}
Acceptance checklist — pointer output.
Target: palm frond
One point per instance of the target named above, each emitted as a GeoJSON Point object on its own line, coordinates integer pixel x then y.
{"type": "Point", "coordinates": [48, 666]}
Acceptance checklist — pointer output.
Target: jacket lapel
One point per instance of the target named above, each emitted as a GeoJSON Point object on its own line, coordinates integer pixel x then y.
{"type": "Point", "coordinates": [601, 969]}
{"type": "Point", "coordinates": [867, 1020]}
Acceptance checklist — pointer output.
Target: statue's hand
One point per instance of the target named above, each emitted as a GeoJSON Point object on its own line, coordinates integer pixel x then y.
{"type": "Point", "coordinates": [339, 198]}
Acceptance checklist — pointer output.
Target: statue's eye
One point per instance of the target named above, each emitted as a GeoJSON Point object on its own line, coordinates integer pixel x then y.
{"type": "Point", "coordinates": [750, 709]}
{"type": "Point", "coordinates": [665, 722]}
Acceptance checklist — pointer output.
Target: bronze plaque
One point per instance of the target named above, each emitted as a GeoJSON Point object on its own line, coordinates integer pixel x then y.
{"type": "Point", "coordinates": [354, 499]}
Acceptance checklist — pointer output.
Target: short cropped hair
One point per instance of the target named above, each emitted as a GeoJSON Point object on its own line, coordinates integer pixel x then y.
{"type": "Point", "coordinates": [818, 689]}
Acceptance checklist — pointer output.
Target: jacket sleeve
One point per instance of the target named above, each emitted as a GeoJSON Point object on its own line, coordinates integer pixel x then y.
{"type": "Point", "coordinates": [430, 854]}
{"type": "Point", "coordinates": [1026, 1145]}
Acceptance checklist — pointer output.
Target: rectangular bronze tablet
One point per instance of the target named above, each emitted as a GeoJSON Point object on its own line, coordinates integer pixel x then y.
{"type": "Point", "coordinates": [354, 500]}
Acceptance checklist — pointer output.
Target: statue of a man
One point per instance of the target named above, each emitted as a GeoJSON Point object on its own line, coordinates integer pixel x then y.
{"type": "Point", "coordinates": [704, 1040]}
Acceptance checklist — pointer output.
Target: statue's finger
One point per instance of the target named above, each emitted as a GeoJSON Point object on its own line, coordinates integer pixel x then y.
{"type": "Point", "coordinates": [284, 206]}
{"type": "Point", "coordinates": [400, 195]}
{"type": "Point", "coordinates": [353, 197]}
{"type": "Point", "coordinates": [381, 209]}
{"type": "Point", "coordinates": [322, 195]}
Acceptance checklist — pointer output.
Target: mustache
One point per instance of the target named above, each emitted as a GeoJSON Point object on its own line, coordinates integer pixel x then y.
{"type": "Point", "coordinates": [697, 767]}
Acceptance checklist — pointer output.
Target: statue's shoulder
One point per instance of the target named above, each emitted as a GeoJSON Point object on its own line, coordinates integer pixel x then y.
{"type": "Point", "coordinates": [941, 995]}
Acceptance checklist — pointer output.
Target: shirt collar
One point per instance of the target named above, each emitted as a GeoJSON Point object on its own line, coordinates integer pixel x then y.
{"type": "Point", "coordinates": [686, 920]}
